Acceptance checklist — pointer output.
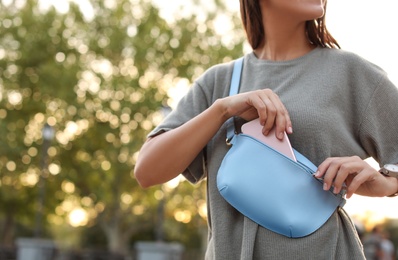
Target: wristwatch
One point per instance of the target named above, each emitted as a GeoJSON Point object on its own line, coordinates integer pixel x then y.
{"type": "Point", "coordinates": [392, 171]}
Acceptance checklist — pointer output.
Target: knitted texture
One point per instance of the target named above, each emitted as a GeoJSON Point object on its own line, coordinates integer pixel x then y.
{"type": "Point", "coordinates": [339, 104]}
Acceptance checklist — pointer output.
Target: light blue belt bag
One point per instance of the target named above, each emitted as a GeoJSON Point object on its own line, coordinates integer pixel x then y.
{"type": "Point", "coordinates": [271, 189]}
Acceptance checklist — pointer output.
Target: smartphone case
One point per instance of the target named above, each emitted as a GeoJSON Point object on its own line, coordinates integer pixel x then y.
{"type": "Point", "coordinates": [254, 129]}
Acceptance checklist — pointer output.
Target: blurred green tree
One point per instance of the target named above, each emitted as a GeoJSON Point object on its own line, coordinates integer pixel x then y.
{"type": "Point", "coordinates": [100, 81]}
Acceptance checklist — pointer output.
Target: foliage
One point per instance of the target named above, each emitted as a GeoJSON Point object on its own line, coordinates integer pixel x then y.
{"type": "Point", "coordinates": [100, 82]}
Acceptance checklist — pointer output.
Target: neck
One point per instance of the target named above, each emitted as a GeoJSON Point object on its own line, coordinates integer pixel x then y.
{"type": "Point", "coordinates": [285, 39]}
{"type": "Point", "coordinates": [283, 48]}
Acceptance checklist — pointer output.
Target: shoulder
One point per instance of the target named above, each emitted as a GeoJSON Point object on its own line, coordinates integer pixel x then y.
{"type": "Point", "coordinates": [350, 60]}
{"type": "Point", "coordinates": [355, 69]}
{"type": "Point", "coordinates": [217, 72]}
{"type": "Point", "coordinates": [215, 81]}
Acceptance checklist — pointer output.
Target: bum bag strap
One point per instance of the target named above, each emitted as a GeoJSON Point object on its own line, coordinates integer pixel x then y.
{"type": "Point", "coordinates": [233, 90]}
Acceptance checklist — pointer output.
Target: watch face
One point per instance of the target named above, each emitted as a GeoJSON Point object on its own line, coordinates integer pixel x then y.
{"type": "Point", "coordinates": [391, 167]}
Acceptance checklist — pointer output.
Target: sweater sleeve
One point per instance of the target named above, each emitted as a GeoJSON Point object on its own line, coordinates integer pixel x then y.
{"type": "Point", "coordinates": [379, 127]}
{"type": "Point", "coordinates": [191, 105]}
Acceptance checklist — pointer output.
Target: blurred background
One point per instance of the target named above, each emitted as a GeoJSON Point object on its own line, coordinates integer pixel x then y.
{"type": "Point", "coordinates": [83, 82]}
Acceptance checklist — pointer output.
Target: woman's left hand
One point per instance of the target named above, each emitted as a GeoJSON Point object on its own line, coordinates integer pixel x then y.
{"type": "Point", "coordinates": [356, 176]}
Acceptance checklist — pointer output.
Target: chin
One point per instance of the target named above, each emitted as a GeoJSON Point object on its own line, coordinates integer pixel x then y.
{"type": "Point", "coordinates": [316, 12]}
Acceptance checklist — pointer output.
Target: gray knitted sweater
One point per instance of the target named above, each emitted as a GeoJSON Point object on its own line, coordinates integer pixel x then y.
{"type": "Point", "coordinates": [339, 104]}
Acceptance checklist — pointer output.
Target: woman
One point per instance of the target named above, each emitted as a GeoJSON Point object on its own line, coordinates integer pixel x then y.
{"type": "Point", "coordinates": [338, 109]}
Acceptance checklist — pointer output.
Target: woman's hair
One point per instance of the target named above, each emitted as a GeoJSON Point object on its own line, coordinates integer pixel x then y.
{"type": "Point", "coordinates": [253, 23]}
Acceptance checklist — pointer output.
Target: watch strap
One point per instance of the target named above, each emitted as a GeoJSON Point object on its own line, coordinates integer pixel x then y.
{"type": "Point", "coordinates": [387, 173]}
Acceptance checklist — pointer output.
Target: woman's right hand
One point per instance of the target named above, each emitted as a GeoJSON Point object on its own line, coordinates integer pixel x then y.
{"type": "Point", "coordinates": [165, 156]}
{"type": "Point", "coordinates": [265, 105]}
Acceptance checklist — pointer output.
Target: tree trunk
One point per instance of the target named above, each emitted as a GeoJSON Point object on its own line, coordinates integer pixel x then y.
{"type": "Point", "coordinates": [116, 241]}
{"type": "Point", "coordinates": [7, 230]}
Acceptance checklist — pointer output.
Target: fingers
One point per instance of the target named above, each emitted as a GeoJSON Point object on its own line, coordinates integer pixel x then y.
{"type": "Point", "coordinates": [265, 105]}
{"type": "Point", "coordinates": [271, 112]}
{"type": "Point", "coordinates": [344, 173]}
{"type": "Point", "coordinates": [283, 122]}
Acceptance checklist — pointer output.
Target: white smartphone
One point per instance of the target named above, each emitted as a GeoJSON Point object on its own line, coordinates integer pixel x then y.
{"type": "Point", "coordinates": [254, 129]}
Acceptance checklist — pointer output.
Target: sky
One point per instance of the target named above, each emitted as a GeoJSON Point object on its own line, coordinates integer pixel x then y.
{"type": "Point", "coordinates": [365, 27]}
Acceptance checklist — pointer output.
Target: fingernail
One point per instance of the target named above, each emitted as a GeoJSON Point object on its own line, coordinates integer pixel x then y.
{"type": "Point", "coordinates": [325, 186]}
{"type": "Point", "coordinates": [317, 174]}
{"type": "Point", "coordinates": [335, 191]}
{"type": "Point", "coordinates": [290, 130]}
{"type": "Point", "coordinates": [280, 135]}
